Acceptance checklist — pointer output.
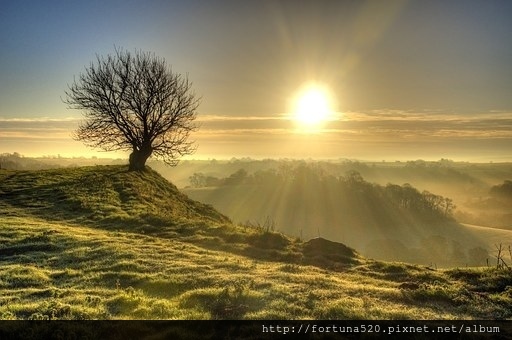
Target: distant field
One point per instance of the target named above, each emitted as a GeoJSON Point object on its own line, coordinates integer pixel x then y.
{"type": "Point", "coordinates": [492, 236]}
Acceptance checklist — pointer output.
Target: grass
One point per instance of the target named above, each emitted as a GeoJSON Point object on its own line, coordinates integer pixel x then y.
{"type": "Point", "coordinates": [106, 196]}
{"type": "Point", "coordinates": [63, 263]}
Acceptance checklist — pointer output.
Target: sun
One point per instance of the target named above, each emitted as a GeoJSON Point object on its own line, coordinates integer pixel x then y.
{"type": "Point", "coordinates": [312, 107]}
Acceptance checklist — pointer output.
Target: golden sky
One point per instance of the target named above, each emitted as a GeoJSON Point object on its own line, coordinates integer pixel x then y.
{"type": "Point", "coordinates": [407, 79]}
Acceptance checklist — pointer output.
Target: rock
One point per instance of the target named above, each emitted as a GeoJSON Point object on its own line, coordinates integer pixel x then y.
{"type": "Point", "coordinates": [320, 246]}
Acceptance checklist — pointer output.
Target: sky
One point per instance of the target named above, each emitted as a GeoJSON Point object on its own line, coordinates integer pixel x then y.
{"type": "Point", "coordinates": [406, 79]}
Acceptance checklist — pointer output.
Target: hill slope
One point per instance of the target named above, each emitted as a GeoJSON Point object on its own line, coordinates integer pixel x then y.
{"type": "Point", "coordinates": [63, 255]}
{"type": "Point", "coordinates": [57, 271]}
{"type": "Point", "coordinates": [105, 195]}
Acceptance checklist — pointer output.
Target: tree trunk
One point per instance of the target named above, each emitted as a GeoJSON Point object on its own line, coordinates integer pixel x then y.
{"type": "Point", "coordinates": [138, 159]}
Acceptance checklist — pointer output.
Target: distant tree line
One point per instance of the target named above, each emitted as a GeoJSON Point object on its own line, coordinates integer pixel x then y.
{"type": "Point", "coordinates": [499, 198]}
{"type": "Point", "coordinates": [392, 221]}
{"type": "Point", "coordinates": [16, 161]}
{"type": "Point", "coordinates": [494, 210]}
{"type": "Point", "coordinates": [200, 180]}
{"type": "Point", "coordinates": [502, 191]}
{"type": "Point", "coordinates": [305, 178]}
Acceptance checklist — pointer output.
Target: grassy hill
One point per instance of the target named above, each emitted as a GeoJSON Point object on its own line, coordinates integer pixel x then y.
{"type": "Point", "coordinates": [104, 195]}
{"type": "Point", "coordinates": [104, 243]}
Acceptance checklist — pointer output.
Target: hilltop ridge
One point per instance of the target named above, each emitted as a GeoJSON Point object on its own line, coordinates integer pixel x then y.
{"type": "Point", "coordinates": [104, 195]}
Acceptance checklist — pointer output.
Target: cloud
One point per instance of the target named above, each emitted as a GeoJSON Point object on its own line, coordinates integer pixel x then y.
{"type": "Point", "coordinates": [37, 128]}
{"type": "Point", "coordinates": [210, 118]}
{"type": "Point", "coordinates": [429, 123]}
{"type": "Point", "coordinates": [378, 132]}
{"type": "Point", "coordinates": [376, 124]}
{"type": "Point", "coordinates": [386, 134]}
{"type": "Point", "coordinates": [37, 119]}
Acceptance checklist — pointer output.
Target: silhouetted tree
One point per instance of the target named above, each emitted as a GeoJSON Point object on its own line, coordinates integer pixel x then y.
{"type": "Point", "coordinates": [197, 180]}
{"type": "Point", "coordinates": [433, 201]}
{"type": "Point", "coordinates": [135, 102]}
{"type": "Point", "coordinates": [502, 190]}
{"type": "Point", "coordinates": [238, 177]}
{"type": "Point", "coordinates": [449, 206]}
{"type": "Point", "coordinates": [200, 180]}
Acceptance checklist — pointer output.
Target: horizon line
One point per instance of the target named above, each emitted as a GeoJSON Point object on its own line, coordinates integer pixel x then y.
{"type": "Point", "coordinates": [280, 158]}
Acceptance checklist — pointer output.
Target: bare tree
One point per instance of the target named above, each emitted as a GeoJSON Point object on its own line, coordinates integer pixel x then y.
{"type": "Point", "coordinates": [135, 102]}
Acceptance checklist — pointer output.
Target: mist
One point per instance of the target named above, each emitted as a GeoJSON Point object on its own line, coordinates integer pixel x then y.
{"type": "Point", "coordinates": [416, 211]}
